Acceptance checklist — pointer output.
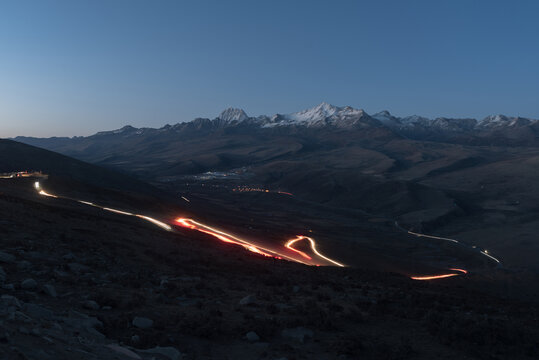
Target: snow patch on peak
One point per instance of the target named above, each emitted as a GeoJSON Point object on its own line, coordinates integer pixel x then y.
{"type": "Point", "coordinates": [321, 112]}
{"type": "Point", "coordinates": [233, 114]}
{"type": "Point", "coordinates": [386, 118]}
{"type": "Point", "coordinates": [126, 130]}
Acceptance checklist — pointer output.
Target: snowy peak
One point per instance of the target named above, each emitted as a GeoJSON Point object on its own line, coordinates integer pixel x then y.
{"type": "Point", "coordinates": [386, 118]}
{"type": "Point", "coordinates": [493, 121]}
{"type": "Point", "coordinates": [233, 114]}
{"type": "Point", "coordinates": [316, 113]}
{"type": "Point", "coordinates": [126, 130]}
{"type": "Point", "coordinates": [322, 112]}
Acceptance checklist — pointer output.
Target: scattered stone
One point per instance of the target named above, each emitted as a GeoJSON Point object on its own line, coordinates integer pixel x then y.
{"type": "Point", "coordinates": [78, 268]}
{"type": "Point", "coordinates": [10, 300]}
{"type": "Point", "coordinates": [300, 334]}
{"type": "Point", "coordinates": [49, 290]}
{"type": "Point", "coordinates": [295, 289]}
{"type": "Point", "coordinates": [3, 275]}
{"type": "Point", "coordinates": [169, 352]}
{"type": "Point", "coordinates": [36, 332]}
{"type": "Point", "coordinates": [8, 287]}
{"type": "Point", "coordinates": [38, 312]}
{"type": "Point", "coordinates": [142, 322]}
{"type": "Point", "coordinates": [282, 306]}
{"type": "Point", "coordinates": [68, 257]}
{"type": "Point", "coordinates": [24, 265]}
{"type": "Point", "coordinates": [24, 330]}
{"type": "Point", "coordinates": [124, 351]}
{"type": "Point", "coordinates": [91, 305]}
{"type": "Point", "coordinates": [6, 258]}
{"type": "Point", "coordinates": [29, 284]}
{"type": "Point", "coordinates": [252, 336]}
{"type": "Point", "coordinates": [248, 300]}
{"type": "Point", "coordinates": [135, 339]}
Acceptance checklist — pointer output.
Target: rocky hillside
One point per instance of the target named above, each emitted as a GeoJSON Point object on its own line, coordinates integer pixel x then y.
{"type": "Point", "coordinates": [79, 283]}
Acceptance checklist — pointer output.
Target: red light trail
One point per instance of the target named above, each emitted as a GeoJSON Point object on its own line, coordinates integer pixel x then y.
{"type": "Point", "coordinates": [229, 238]}
{"type": "Point", "coordinates": [443, 276]}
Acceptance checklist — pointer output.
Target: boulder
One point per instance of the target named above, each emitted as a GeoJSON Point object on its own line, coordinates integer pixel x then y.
{"type": "Point", "coordinates": [252, 336]}
{"type": "Point", "coordinates": [248, 300]}
{"type": "Point", "coordinates": [300, 334]}
{"type": "Point", "coordinates": [29, 284]}
{"type": "Point", "coordinates": [142, 322]}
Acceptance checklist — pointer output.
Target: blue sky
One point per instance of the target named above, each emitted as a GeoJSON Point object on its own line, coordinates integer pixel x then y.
{"type": "Point", "coordinates": [77, 67]}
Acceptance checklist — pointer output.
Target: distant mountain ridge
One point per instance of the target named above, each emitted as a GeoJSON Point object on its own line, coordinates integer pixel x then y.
{"type": "Point", "coordinates": [492, 130]}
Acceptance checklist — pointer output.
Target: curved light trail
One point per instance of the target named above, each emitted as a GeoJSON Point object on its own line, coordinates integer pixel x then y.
{"type": "Point", "coordinates": [313, 248]}
{"type": "Point", "coordinates": [229, 238]}
{"type": "Point", "coordinates": [161, 224]}
{"type": "Point", "coordinates": [457, 272]}
{"type": "Point", "coordinates": [483, 252]}
{"type": "Point", "coordinates": [219, 234]}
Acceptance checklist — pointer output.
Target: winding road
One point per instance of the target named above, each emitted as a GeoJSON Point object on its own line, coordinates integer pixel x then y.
{"type": "Point", "coordinates": [287, 252]}
{"type": "Point", "coordinates": [308, 255]}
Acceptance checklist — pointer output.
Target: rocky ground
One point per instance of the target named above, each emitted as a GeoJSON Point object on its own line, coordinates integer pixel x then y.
{"type": "Point", "coordinates": [78, 283]}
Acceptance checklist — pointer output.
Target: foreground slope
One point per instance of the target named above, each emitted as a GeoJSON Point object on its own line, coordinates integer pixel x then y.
{"type": "Point", "coordinates": [82, 283]}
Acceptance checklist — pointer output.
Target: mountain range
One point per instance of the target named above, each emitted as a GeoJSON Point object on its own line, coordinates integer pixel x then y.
{"type": "Point", "coordinates": [492, 130]}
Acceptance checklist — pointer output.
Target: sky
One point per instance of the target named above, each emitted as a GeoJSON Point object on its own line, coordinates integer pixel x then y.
{"type": "Point", "coordinates": [77, 67]}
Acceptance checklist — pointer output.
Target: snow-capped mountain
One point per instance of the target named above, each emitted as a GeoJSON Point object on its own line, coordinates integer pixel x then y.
{"type": "Point", "coordinates": [233, 114]}
{"type": "Point", "coordinates": [327, 115]}
{"type": "Point", "coordinates": [323, 115]}
{"type": "Point", "coordinates": [492, 130]}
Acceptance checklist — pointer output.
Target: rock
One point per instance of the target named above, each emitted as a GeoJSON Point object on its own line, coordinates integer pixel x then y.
{"type": "Point", "coordinates": [38, 312]}
{"type": "Point", "coordinates": [124, 351]}
{"type": "Point", "coordinates": [3, 275]}
{"type": "Point", "coordinates": [135, 339]}
{"type": "Point", "coordinates": [295, 289]}
{"type": "Point", "coordinates": [6, 258]}
{"type": "Point", "coordinates": [68, 257]}
{"type": "Point", "coordinates": [91, 305]}
{"type": "Point", "coordinates": [23, 330]}
{"type": "Point", "coordinates": [252, 336]}
{"type": "Point", "coordinates": [8, 287]}
{"type": "Point", "coordinates": [36, 332]}
{"type": "Point", "coordinates": [60, 274]}
{"type": "Point", "coordinates": [29, 284]}
{"type": "Point", "coordinates": [169, 352]}
{"type": "Point", "coordinates": [299, 334]}
{"type": "Point", "coordinates": [248, 300]}
{"type": "Point", "coordinates": [282, 306]}
{"type": "Point", "coordinates": [49, 290]}
{"type": "Point", "coordinates": [9, 300]}
{"type": "Point", "coordinates": [24, 265]}
{"type": "Point", "coordinates": [78, 268]}
{"type": "Point", "coordinates": [142, 322]}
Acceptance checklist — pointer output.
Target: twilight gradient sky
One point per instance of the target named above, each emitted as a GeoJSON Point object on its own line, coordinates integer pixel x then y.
{"type": "Point", "coordinates": [78, 67]}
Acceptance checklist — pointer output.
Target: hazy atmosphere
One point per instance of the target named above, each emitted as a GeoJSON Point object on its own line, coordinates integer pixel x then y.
{"type": "Point", "coordinates": [78, 67]}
